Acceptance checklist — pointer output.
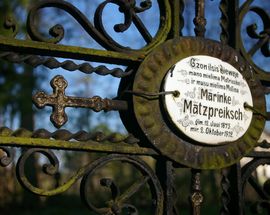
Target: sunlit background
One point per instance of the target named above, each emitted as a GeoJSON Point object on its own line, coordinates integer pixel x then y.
{"type": "Point", "coordinates": [17, 80]}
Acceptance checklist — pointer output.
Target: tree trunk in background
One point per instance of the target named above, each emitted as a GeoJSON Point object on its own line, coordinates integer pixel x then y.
{"type": "Point", "coordinates": [16, 94]}
{"type": "Point", "coordinates": [29, 200]}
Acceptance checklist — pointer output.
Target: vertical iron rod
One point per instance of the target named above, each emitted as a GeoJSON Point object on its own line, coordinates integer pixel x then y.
{"type": "Point", "coordinates": [225, 195]}
{"type": "Point", "coordinates": [199, 20]}
{"type": "Point", "coordinates": [165, 173]}
{"type": "Point", "coordinates": [229, 22]}
{"type": "Point", "coordinates": [177, 18]}
{"type": "Point", "coordinates": [196, 195]}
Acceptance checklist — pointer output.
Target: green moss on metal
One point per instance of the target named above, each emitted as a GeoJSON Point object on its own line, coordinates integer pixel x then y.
{"type": "Point", "coordinates": [91, 146]}
{"type": "Point", "coordinates": [48, 49]}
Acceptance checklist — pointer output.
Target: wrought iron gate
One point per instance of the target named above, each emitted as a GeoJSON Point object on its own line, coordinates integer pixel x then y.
{"type": "Point", "coordinates": [140, 94]}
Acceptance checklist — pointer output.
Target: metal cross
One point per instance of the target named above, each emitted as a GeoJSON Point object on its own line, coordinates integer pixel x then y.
{"type": "Point", "coordinates": [59, 101]}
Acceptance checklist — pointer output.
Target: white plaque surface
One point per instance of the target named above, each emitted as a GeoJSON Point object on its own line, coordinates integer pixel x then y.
{"type": "Point", "coordinates": [210, 107]}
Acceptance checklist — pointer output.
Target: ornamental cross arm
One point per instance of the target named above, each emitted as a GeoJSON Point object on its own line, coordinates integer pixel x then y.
{"type": "Point", "coordinates": [59, 101]}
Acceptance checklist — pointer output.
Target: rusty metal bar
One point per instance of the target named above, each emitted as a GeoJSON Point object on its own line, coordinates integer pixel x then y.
{"type": "Point", "coordinates": [196, 195]}
{"type": "Point", "coordinates": [64, 51]}
{"type": "Point", "coordinates": [177, 17]}
{"type": "Point", "coordinates": [199, 20]}
{"type": "Point", "coordinates": [166, 174]}
{"type": "Point", "coordinates": [59, 101]}
{"type": "Point", "coordinates": [229, 22]}
{"type": "Point", "coordinates": [68, 65]}
{"type": "Point", "coordinates": [89, 146]}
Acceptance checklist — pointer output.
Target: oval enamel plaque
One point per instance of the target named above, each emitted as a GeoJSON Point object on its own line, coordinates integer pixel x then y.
{"type": "Point", "coordinates": [212, 97]}
{"type": "Point", "coordinates": [207, 108]}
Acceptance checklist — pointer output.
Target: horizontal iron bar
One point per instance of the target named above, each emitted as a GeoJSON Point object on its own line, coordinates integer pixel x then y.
{"type": "Point", "coordinates": [259, 154]}
{"type": "Point", "coordinates": [90, 146]}
{"type": "Point", "coordinates": [59, 101]}
{"type": "Point", "coordinates": [71, 52]}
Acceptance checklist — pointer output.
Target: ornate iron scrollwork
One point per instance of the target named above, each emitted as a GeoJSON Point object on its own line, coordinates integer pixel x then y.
{"type": "Point", "coordinates": [59, 101]}
{"type": "Point", "coordinates": [119, 200]}
{"type": "Point", "coordinates": [98, 31]}
{"type": "Point", "coordinates": [130, 10]}
{"type": "Point", "coordinates": [9, 26]}
{"type": "Point", "coordinates": [262, 37]}
{"type": "Point", "coordinates": [68, 65]}
{"type": "Point", "coordinates": [7, 159]}
{"type": "Point", "coordinates": [66, 135]}
{"type": "Point", "coordinates": [50, 169]}
{"type": "Point", "coordinates": [153, 130]}
{"type": "Point", "coordinates": [157, 126]}
{"type": "Point", "coordinates": [248, 177]}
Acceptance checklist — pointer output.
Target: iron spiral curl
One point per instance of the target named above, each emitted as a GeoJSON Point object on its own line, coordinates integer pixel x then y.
{"type": "Point", "coordinates": [6, 159]}
{"type": "Point", "coordinates": [57, 31]}
{"type": "Point", "coordinates": [262, 36]}
{"type": "Point", "coordinates": [263, 202]}
{"type": "Point", "coordinates": [71, 66]}
{"type": "Point", "coordinates": [66, 135]}
{"type": "Point", "coordinates": [119, 200]}
{"type": "Point", "coordinates": [97, 30]}
{"type": "Point", "coordinates": [9, 26]}
{"type": "Point", "coordinates": [129, 9]}
{"type": "Point", "coordinates": [50, 169]}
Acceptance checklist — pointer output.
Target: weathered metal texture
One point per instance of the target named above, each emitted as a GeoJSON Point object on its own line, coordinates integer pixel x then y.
{"type": "Point", "coordinates": [80, 141]}
{"type": "Point", "coordinates": [119, 53]}
{"type": "Point", "coordinates": [71, 52]}
{"type": "Point", "coordinates": [7, 159]}
{"type": "Point", "coordinates": [177, 18]}
{"type": "Point", "coordinates": [157, 128]}
{"type": "Point", "coordinates": [232, 196]}
{"type": "Point", "coordinates": [196, 197]}
{"type": "Point", "coordinates": [119, 200]}
{"type": "Point", "coordinates": [27, 51]}
{"type": "Point", "coordinates": [225, 195]}
{"type": "Point", "coordinates": [229, 23]}
{"type": "Point", "coordinates": [233, 15]}
{"type": "Point", "coordinates": [262, 37]}
{"type": "Point", "coordinates": [247, 177]}
{"type": "Point", "coordinates": [59, 101]}
{"type": "Point", "coordinates": [199, 20]}
{"type": "Point", "coordinates": [148, 81]}
{"type": "Point", "coordinates": [53, 63]}
{"type": "Point", "coordinates": [97, 31]}
{"type": "Point", "coordinates": [166, 175]}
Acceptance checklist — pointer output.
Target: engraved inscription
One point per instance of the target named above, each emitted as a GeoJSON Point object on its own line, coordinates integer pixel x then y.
{"type": "Point", "coordinates": [210, 108]}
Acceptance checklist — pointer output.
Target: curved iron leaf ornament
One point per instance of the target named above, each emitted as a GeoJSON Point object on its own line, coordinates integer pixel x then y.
{"type": "Point", "coordinates": [262, 36]}
{"type": "Point", "coordinates": [98, 31]}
